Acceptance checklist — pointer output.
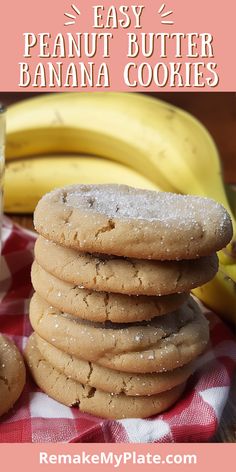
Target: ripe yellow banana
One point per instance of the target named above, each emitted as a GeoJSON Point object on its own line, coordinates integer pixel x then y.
{"type": "Point", "coordinates": [220, 294]}
{"type": "Point", "coordinates": [27, 180]}
{"type": "Point", "coordinates": [231, 194]}
{"type": "Point", "coordinates": [165, 144]}
{"type": "Point", "coordinates": [230, 271]}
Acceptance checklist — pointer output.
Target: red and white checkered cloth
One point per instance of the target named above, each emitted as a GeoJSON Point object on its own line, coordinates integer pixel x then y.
{"type": "Point", "coordinates": [38, 418]}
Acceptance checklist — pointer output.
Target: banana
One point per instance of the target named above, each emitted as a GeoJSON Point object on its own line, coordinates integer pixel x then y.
{"type": "Point", "coordinates": [220, 294]}
{"type": "Point", "coordinates": [230, 271]}
{"type": "Point", "coordinates": [163, 143]}
{"type": "Point", "coordinates": [231, 194]}
{"type": "Point", "coordinates": [26, 180]}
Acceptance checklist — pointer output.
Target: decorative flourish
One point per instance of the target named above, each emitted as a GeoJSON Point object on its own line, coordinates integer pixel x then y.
{"type": "Point", "coordinates": [165, 14]}
{"type": "Point", "coordinates": [73, 17]}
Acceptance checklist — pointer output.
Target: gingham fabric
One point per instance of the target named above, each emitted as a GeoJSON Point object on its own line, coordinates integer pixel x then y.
{"type": "Point", "coordinates": [38, 418]}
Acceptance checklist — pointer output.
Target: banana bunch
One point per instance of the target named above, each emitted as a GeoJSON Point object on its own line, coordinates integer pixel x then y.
{"type": "Point", "coordinates": [122, 138]}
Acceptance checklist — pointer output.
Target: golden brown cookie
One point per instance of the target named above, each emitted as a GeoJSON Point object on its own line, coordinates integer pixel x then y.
{"type": "Point", "coordinates": [101, 306]}
{"type": "Point", "coordinates": [164, 343]}
{"type": "Point", "coordinates": [91, 400]}
{"type": "Point", "coordinates": [108, 380]}
{"type": "Point", "coordinates": [123, 275]}
{"type": "Point", "coordinates": [121, 220]}
{"type": "Point", "coordinates": [12, 374]}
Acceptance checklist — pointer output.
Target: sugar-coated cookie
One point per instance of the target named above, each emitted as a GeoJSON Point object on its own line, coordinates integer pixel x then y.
{"type": "Point", "coordinates": [121, 220]}
{"type": "Point", "coordinates": [123, 275]}
{"type": "Point", "coordinates": [101, 306]}
{"type": "Point", "coordinates": [12, 374]}
{"type": "Point", "coordinates": [163, 343]}
{"type": "Point", "coordinates": [108, 380]}
{"type": "Point", "coordinates": [91, 400]}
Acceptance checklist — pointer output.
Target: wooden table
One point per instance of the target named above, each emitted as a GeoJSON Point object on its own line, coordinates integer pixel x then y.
{"type": "Point", "coordinates": [218, 112]}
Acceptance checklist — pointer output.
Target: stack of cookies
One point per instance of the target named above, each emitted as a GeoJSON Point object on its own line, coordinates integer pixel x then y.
{"type": "Point", "coordinates": [115, 329]}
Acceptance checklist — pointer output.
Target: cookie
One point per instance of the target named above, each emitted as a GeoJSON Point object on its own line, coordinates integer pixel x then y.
{"type": "Point", "coordinates": [12, 374]}
{"type": "Point", "coordinates": [101, 306]}
{"type": "Point", "coordinates": [91, 400]}
{"type": "Point", "coordinates": [108, 380]}
{"type": "Point", "coordinates": [123, 275]}
{"type": "Point", "coordinates": [121, 220]}
{"type": "Point", "coordinates": [164, 343]}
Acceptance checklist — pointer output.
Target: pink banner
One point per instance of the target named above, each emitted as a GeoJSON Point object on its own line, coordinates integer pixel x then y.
{"type": "Point", "coordinates": [178, 45]}
{"type": "Point", "coordinates": [110, 457]}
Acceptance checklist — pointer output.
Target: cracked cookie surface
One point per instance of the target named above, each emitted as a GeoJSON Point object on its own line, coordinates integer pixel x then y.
{"type": "Point", "coordinates": [163, 343]}
{"type": "Point", "coordinates": [123, 221]}
{"type": "Point", "coordinates": [108, 380]}
{"type": "Point", "coordinates": [91, 400]}
{"type": "Point", "coordinates": [12, 374]}
{"type": "Point", "coordinates": [123, 275]}
{"type": "Point", "coordinates": [101, 306]}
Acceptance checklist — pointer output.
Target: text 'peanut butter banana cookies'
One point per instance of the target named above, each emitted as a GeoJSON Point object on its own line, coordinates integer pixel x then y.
{"type": "Point", "coordinates": [12, 374]}
{"type": "Point", "coordinates": [162, 344]}
{"type": "Point", "coordinates": [121, 220]}
{"type": "Point", "coordinates": [123, 275]}
{"type": "Point", "coordinates": [92, 400]}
